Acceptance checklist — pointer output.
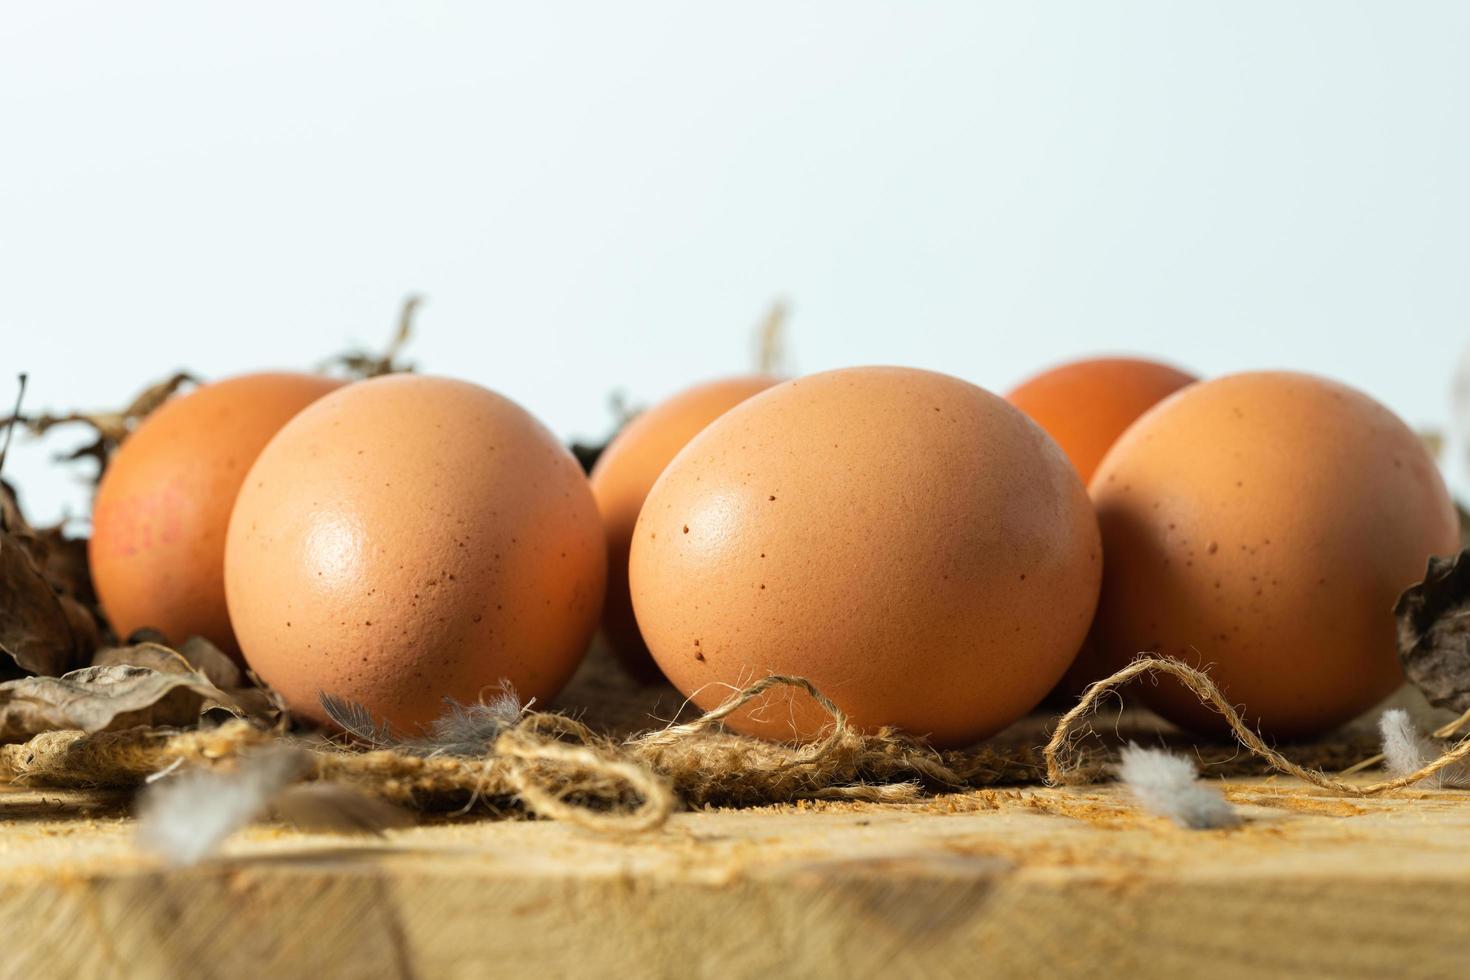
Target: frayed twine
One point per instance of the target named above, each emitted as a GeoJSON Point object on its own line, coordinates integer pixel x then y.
{"type": "Point", "coordinates": [558, 767]}
{"type": "Point", "coordinates": [1062, 764]}
{"type": "Point", "coordinates": [554, 765]}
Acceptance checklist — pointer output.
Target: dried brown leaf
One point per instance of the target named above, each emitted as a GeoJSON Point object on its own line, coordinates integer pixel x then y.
{"type": "Point", "coordinates": [98, 699]}
{"type": "Point", "coordinates": [1434, 632]}
{"type": "Point", "coordinates": [63, 560]}
{"type": "Point", "coordinates": [255, 703]}
{"type": "Point", "coordinates": [212, 662]}
{"type": "Point", "coordinates": [11, 518]}
{"type": "Point", "coordinates": [36, 632]}
{"type": "Point", "coordinates": [196, 656]}
{"type": "Point", "coordinates": [109, 428]}
{"type": "Point", "coordinates": [244, 698]}
{"type": "Point", "coordinates": [154, 656]}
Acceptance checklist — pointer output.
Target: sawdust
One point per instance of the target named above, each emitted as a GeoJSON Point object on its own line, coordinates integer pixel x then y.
{"type": "Point", "coordinates": [1298, 802]}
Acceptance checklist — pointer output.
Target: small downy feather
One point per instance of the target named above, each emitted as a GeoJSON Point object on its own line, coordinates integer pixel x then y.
{"type": "Point", "coordinates": [1168, 785]}
{"type": "Point", "coordinates": [1405, 751]}
{"type": "Point", "coordinates": [185, 818]}
{"type": "Point", "coordinates": [356, 720]}
{"type": "Point", "coordinates": [469, 729]}
{"type": "Point", "coordinates": [462, 730]}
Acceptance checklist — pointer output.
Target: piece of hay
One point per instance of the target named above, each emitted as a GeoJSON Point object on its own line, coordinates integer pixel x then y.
{"type": "Point", "coordinates": [1168, 785]}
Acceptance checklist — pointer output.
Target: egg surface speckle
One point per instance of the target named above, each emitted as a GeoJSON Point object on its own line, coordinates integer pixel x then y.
{"type": "Point", "coordinates": [158, 524]}
{"type": "Point", "coordinates": [624, 474]}
{"type": "Point", "coordinates": [1263, 524]}
{"type": "Point", "coordinates": [910, 543]}
{"type": "Point", "coordinates": [409, 539]}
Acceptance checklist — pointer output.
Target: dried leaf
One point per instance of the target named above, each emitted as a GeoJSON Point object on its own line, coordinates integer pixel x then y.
{"type": "Point", "coordinates": [110, 428]}
{"type": "Point", "coordinates": [255, 703]}
{"type": "Point", "coordinates": [154, 656]}
{"type": "Point", "coordinates": [588, 453]}
{"type": "Point", "coordinates": [1434, 632]}
{"type": "Point", "coordinates": [86, 634]}
{"type": "Point", "coordinates": [36, 632]}
{"type": "Point", "coordinates": [97, 699]}
{"type": "Point", "coordinates": [63, 560]}
{"type": "Point", "coordinates": [196, 656]}
{"type": "Point", "coordinates": [11, 518]}
{"type": "Point", "coordinates": [331, 808]}
{"type": "Point", "coordinates": [212, 662]}
{"type": "Point", "coordinates": [48, 617]}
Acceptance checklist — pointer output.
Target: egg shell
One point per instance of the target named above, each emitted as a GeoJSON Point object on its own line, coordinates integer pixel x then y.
{"type": "Point", "coordinates": [1263, 524]}
{"type": "Point", "coordinates": [410, 539]}
{"type": "Point", "coordinates": [1086, 405]}
{"type": "Point", "coordinates": [624, 474]}
{"type": "Point", "coordinates": [910, 543]}
{"type": "Point", "coordinates": [158, 524]}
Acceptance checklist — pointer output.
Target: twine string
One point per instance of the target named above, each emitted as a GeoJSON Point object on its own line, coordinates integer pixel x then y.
{"type": "Point", "coordinates": [1062, 760]}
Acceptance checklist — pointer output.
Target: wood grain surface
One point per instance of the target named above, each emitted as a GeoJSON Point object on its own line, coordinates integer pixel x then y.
{"type": "Point", "coordinates": [988, 883]}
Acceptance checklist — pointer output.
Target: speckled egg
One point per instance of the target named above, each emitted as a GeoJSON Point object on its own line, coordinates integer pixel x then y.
{"type": "Point", "coordinates": [410, 539]}
{"type": "Point", "coordinates": [912, 544]}
{"type": "Point", "coordinates": [1263, 524]}
{"type": "Point", "coordinates": [1086, 405]}
{"type": "Point", "coordinates": [624, 474]}
{"type": "Point", "coordinates": [158, 524]}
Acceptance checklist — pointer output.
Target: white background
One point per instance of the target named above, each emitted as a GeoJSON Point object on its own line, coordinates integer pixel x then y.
{"type": "Point", "coordinates": [607, 195]}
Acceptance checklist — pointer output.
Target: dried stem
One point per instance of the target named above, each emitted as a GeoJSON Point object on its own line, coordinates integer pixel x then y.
{"type": "Point", "coordinates": [770, 355]}
{"type": "Point", "coordinates": [362, 364]}
{"type": "Point", "coordinates": [10, 422]}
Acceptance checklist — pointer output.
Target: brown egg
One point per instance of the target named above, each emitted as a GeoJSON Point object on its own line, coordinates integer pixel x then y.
{"type": "Point", "coordinates": [624, 474]}
{"type": "Point", "coordinates": [1086, 405]}
{"type": "Point", "coordinates": [1264, 524]}
{"type": "Point", "coordinates": [910, 543]}
{"type": "Point", "coordinates": [408, 539]}
{"type": "Point", "coordinates": [158, 525]}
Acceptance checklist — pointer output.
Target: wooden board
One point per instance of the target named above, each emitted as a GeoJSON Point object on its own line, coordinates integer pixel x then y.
{"type": "Point", "coordinates": [989, 883]}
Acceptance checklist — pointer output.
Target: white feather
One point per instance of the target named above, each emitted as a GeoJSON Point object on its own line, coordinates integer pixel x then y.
{"type": "Point", "coordinates": [1168, 785]}
{"type": "Point", "coordinates": [185, 818]}
{"type": "Point", "coordinates": [1406, 751]}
